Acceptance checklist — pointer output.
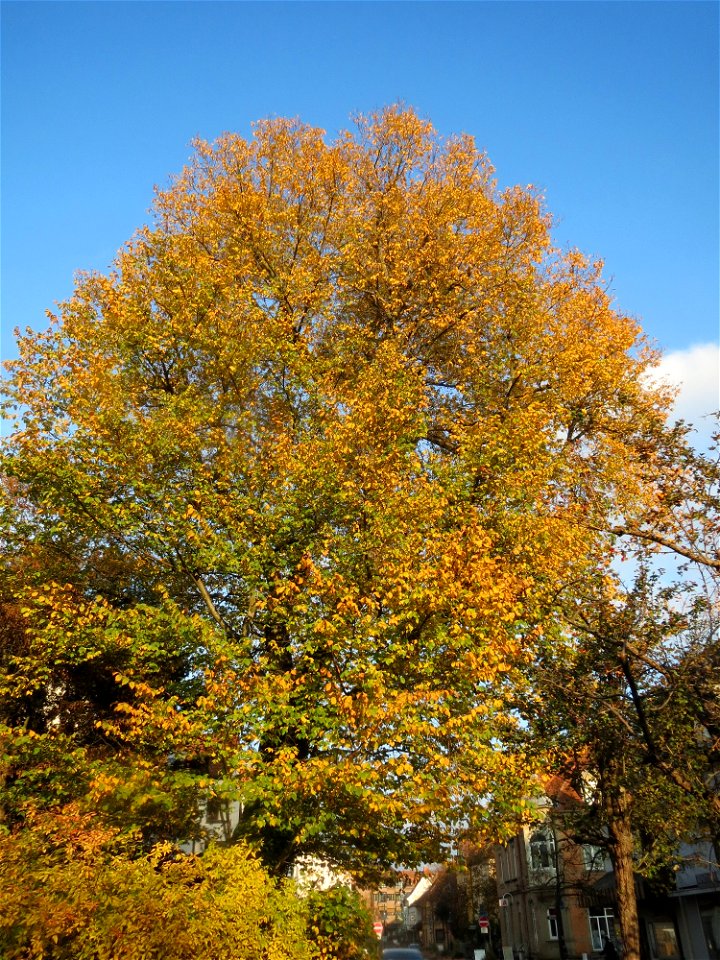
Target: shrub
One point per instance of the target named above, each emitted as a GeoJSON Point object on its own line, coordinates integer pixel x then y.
{"type": "Point", "coordinates": [339, 924]}
{"type": "Point", "coordinates": [67, 896]}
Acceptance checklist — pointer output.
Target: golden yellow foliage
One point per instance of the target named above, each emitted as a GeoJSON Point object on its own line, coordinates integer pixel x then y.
{"type": "Point", "coordinates": [346, 408]}
{"type": "Point", "coordinates": [70, 892]}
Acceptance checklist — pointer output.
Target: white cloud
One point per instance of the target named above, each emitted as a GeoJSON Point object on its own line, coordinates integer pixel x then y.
{"type": "Point", "coordinates": [695, 371]}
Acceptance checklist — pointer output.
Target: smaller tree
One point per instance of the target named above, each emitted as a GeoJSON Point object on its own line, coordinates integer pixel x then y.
{"type": "Point", "coordinates": [615, 707]}
{"type": "Point", "coordinates": [339, 924]}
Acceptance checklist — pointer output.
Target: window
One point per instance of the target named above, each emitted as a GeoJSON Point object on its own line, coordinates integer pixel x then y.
{"type": "Point", "coordinates": [513, 859]}
{"type": "Point", "coordinates": [552, 921]}
{"type": "Point", "coordinates": [595, 859]}
{"type": "Point", "coordinates": [542, 850]}
{"type": "Point", "coordinates": [602, 926]}
{"type": "Point", "coordinates": [664, 940]}
{"type": "Point", "coordinates": [213, 810]}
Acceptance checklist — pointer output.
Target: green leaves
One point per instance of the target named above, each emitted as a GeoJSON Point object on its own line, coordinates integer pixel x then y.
{"type": "Point", "coordinates": [72, 891]}
{"type": "Point", "coordinates": [339, 925]}
{"type": "Point", "coordinates": [312, 462]}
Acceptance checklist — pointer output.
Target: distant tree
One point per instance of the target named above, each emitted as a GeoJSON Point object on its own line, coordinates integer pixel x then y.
{"type": "Point", "coordinates": [451, 903]}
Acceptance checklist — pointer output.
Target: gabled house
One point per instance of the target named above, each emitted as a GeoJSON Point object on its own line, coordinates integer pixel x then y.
{"type": "Point", "coordinates": [543, 877]}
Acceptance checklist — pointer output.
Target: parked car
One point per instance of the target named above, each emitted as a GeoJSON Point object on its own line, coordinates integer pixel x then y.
{"type": "Point", "coordinates": [402, 953]}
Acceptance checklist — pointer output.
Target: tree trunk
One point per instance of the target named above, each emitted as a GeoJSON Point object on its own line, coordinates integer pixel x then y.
{"type": "Point", "coordinates": [617, 810]}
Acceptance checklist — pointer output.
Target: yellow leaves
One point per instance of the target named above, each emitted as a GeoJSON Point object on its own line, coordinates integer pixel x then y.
{"type": "Point", "coordinates": [348, 607]}
{"type": "Point", "coordinates": [401, 767]}
{"type": "Point", "coordinates": [69, 881]}
{"type": "Point", "coordinates": [323, 628]}
{"type": "Point", "coordinates": [348, 407]}
{"type": "Point", "coordinates": [138, 687]}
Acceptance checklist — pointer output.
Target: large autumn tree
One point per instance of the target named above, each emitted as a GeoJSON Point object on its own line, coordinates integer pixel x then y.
{"type": "Point", "coordinates": [295, 485]}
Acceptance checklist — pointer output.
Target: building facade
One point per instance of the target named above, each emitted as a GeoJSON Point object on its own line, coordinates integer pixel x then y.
{"type": "Point", "coordinates": [553, 891]}
{"type": "Point", "coordinates": [542, 881]}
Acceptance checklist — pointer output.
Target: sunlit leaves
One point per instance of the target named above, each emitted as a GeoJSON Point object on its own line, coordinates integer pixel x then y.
{"type": "Point", "coordinates": [327, 439]}
{"type": "Point", "coordinates": [71, 889]}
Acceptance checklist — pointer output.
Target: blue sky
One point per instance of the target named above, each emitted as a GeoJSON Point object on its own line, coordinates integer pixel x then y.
{"type": "Point", "coordinates": [611, 109]}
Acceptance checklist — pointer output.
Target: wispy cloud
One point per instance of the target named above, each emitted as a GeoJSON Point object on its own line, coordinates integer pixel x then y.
{"type": "Point", "coordinates": [695, 372]}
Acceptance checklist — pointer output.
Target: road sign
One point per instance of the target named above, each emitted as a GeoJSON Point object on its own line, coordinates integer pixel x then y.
{"type": "Point", "coordinates": [378, 928]}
